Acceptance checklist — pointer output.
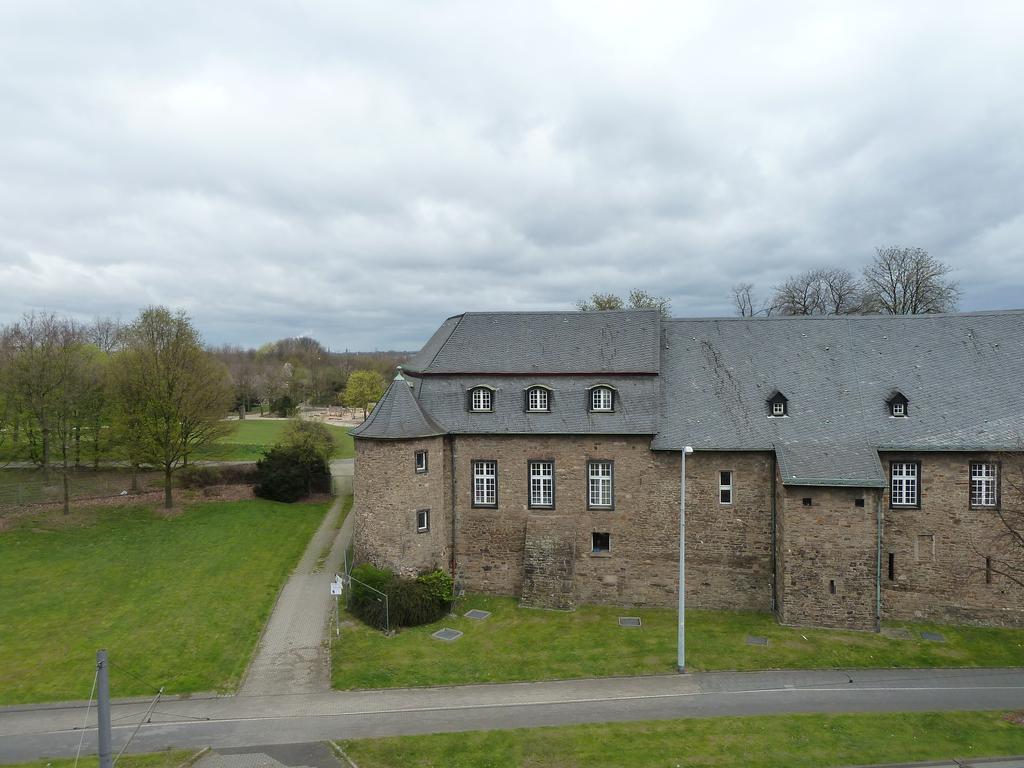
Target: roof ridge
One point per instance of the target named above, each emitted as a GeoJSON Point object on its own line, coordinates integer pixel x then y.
{"type": "Point", "coordinates": [447, 339]}
{"type": "Point", "coordinates": [833, 318]}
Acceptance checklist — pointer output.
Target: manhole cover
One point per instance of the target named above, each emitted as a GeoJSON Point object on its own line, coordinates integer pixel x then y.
{"type": "Point", "coordinates": [629, 621]}
{"type": "Point", "coordinates": [446, 634]}
{"type": "Point", "coordinates": [755, 640]}
{"type": "Point", "coordinates": [477, 614]}
{"type": "Point", "coordinates": [933, 636]}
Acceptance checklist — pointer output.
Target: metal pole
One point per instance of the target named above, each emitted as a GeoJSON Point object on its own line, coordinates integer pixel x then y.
{"type": "Point", "coordinates": [103, 708]}
{"type": "Point", "coordinates": [681, 658]}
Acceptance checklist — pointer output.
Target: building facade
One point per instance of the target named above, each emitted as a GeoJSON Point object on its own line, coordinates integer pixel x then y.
{"type": "Point", "coordinates": [845, 469]}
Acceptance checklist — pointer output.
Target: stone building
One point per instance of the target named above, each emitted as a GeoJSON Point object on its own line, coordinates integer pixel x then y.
{"type": "Point", "coordinates": [845, 469]}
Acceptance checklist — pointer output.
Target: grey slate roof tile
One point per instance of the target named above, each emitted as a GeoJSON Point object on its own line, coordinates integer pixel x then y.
{"type": "Point", "coordinates": [397, 416]}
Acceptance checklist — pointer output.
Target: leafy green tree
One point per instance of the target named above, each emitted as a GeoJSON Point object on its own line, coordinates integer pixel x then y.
{"type": "Point", "coordinates": [172, 394]}
{"type": "Point", "coordinates": [363, 388]}
{"type": "Point", "coordinates": [637, 299]}
{"type": "Point", "coordinates": [310, 435]}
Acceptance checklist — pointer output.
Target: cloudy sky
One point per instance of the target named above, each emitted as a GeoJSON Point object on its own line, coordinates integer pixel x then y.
{"type": "Point", "coordinates": [360, 171]}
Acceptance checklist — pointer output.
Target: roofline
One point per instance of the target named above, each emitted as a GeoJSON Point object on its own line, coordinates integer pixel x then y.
{"type": "Point", "coordinates": [828, 318]}
{"type": "Point", "coordinates": [426, 374]}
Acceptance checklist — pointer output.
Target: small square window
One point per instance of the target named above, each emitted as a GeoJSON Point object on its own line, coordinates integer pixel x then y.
{"type": "Point", "coordinates": [421, 461]}
{"type": "Point", "coordinates": [422, 520]}
{"type": "Point", "coordinates": [858, 502]}
{"type": "Point", "coordinates": [778, 408]}
{"type": "Point", "coordinates": [600, 542]}
{"type": "Point", "coordinates": [808, 501]}
{"type": "Point", "coordinates": [899, 408]}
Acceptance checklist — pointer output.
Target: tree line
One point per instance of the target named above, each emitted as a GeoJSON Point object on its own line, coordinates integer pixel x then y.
{"type": "Point", "coordinates": [898, 281]}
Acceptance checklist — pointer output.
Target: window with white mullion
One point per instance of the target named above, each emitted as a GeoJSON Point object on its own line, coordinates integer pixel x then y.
{"type": "Point", "coordinates": [481, 399]}
{"type": "Point", "coordinates": [600, 484]}
{"type": "Point", "coordinates": [904, 490]}
{"type": "Point", "coordinates": [538, 399]}
{"type": "Point", "coordinates": [984, 484]}
{"type": "Point", "coordinates": [542, 484]}
{"type": "Point", "coordinates": [601, 399]}
{"type": "Point", "coordinates": [485, 483]}
{"type": "Point", "coordinates": [725, 487]}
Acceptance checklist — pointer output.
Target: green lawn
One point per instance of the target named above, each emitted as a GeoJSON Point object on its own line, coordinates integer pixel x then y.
{"type": "Point", "coordinates": [251, 437]}
{"type": "Point", "coordinates": [178, 601]}
{"type": "Point", "coordinates": [172, 758]}
{"type": "Point", "coordinates": [524, 644]}
{"type": "Point", "coordinates": [779, 741]}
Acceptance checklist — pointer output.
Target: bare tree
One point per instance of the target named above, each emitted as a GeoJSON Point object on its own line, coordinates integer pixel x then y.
{"type": "Point", "coordinates": [908, 281]}
{"type": "Point", "coordinates": [637, 299]}
{"type": "Point", "coordinates": [641, 299]}
{"type": "Point", "coordinates": [829, 291]}
{"type": "Point", "coordinates": [171, 392]}
{"type": "Point", "coordinates": [747, 304]}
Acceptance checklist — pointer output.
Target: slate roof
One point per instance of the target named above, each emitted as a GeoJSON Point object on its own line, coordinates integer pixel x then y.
{"type": "Point", "coordinates": [543, 342]}
{"type": "Point", "coordinates": [962, 375]}
{"type": "Point", "coordinates": [398, 416]}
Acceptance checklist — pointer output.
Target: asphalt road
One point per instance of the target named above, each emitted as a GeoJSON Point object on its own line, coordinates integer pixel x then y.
{"type": "Point", "coordinates": [239, 721]}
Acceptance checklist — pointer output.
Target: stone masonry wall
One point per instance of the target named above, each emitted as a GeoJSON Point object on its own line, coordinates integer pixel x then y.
{"type": "Point", "coordinates": [939, 550]}
{"type": "Point", "coordinates": [389, 492]}
{"type": "Point", "coordinates": [728, 546]}
{"type": "Point", "coordinates": [828, 557]}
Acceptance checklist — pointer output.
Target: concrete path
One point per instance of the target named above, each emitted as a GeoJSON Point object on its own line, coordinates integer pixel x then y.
{"type": "Point", "coordinates": [239, 721]}
{"type": "Point", "coordinates": [293, 655]}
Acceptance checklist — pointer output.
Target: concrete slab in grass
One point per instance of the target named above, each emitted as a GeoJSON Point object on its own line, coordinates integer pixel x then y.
{"type": "Point", "coordinates": [897, 633]}
{"type": "Point", "coordinates": [935, 637]}
{"type": "Point", "coordinates": [756, 640]}
{"type": "Point", "coordinates": [477, 614]}
{"type": "Point", "coordinates": [447, 634]}
{"type": "Point", "coordinates": [629, 621]}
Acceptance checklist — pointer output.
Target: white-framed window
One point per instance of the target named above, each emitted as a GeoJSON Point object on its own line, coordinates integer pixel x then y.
{"type": "Point", "coordinates": [422, 520]}
{"type": "Point", "coordinates": [899, 408]}
{"type": "Point", "coordinates": [601, 399]}
{"type": "Point", "coordinates": [725, 486]}
{"type": "Point", "coordinates": [905, 490]}
{"type": "Point", "coordinates": [984, 484]}
{"type": "Point", "coordinates": [599, 484]}
{"type": "Point", "coordinates": [485, 483]}
{"type": "Point", "coordinates": [778, 408]}
{"type": "Point", "coordinates": [482, 399]}
{"type": "Point", "coordinates": [421, 461]}
{"type": "Point", "coordinates": [542, 484]}
{"type": "Point", "coordinates": [600, 542]}
{"type": "Point", "coordinates": [537, 399]}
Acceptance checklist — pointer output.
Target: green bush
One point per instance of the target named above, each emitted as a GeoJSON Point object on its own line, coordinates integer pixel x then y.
{"type": "Point", "coordinates": [205, 475]}
{"type": "Point", "coordinates": [410, 602]}
{"type": "Point", "coordinates": [290, 473]}
{"type": "Point", "coordinates": [312, 435]}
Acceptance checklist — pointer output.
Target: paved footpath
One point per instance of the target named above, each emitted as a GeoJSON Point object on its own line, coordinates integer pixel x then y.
{"type": "Point", "coordinates": [243, 720]}
{"type": "Point", "coordinates": [293, 654]}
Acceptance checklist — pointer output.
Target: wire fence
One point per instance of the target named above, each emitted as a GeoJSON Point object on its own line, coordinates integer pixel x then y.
{"type": "Point", "coordinates": [31, 487]}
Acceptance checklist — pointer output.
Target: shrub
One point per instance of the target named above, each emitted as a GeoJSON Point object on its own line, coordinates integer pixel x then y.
{"type": "Point", "coordinates": [311, 435]}
{"type": "Point", "coordinates": [203, 476]}
{"type": "Point", "coordinates": [283, 406]}
{"type": "Point", "coordinates": [290, 473]}
{"type": "Point", "coordinates": [411, 602]}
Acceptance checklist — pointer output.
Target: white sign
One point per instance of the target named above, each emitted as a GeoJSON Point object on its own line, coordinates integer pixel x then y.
{"type": "Point", "coordinates": [335, 587]}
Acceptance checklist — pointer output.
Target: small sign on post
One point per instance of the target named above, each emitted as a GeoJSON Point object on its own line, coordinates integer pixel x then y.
{"type": "Point", "coordinates": [336, 587]}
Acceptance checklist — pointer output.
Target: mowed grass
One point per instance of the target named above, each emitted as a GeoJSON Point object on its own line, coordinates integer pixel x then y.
{"type": "Point", "coordinates": [177, 601]}
{"type": "Point", "coordinates": [777, 741]}
{"type": "Point", "coordinates": [249, 439]}
{"type": "Point", "coordinates": [526, 644]}
{"type": "Point", "coordinates": [172, 758]}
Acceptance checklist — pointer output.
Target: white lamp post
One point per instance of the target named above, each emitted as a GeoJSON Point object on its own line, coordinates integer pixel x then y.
{"type": "Point", "coordinates": [681, 659]}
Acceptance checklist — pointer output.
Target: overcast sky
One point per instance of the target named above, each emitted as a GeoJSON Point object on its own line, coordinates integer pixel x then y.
{"type": "Point", "coordinates": [360, 171]}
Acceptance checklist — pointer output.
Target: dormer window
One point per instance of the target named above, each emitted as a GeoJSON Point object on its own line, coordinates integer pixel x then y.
{"type": "Point", "coordinates": [538, 399]}
{"type": "Point", "coordinates": [602, 398]}
{"type": "Point", "coordinates": [898, 405]}
{"type": "Point", "coordinates": [778, 405]}
{"type": "Point", "coordinates": [481, 399]}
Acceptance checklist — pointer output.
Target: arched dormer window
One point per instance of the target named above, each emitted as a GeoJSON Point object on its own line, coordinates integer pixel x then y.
{"type": "Point", "coordinates": [601, 398]}
{"type": "Point", "coordinates": [778, 405]}
{"type": "Point", "coordinates": [898, 405]}
{"type": "Point", "coordinates": [538, 399]}
{"type": "Point", "coordinates": [481, 399]}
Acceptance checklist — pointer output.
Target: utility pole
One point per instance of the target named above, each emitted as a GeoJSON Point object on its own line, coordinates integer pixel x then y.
{"type": "Point", "coordinates": [681, 658]}
{"type": "Point", "coordinates": [103, 708]}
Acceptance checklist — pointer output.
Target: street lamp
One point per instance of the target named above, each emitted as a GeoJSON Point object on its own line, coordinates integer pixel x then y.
{"type": "Point", "coordinates": [681, 658]}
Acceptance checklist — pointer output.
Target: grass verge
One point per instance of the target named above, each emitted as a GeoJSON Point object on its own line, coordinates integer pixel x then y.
{"type": "Point", "coordinates": [172, 758]}
{"type": "Point", "coordinates": [176, 600]}
{"type": "Point", "coordinates": [524, 644]}
{"type": "Point", "coordinates": [250, 438]}
{"type": "Point", "coordinates": [778, 741]}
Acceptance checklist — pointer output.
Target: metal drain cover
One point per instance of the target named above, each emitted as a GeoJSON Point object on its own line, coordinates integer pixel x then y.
{"type": "Point", "coordinates": [446, 634]}
{"type": "Point", "coordinates": [477, 614]}
{"type": "Point", "coordinates": [755, 640]}
{"type": "Point", "coordinates": [629, 621]}
{"type": "Point", "coordinates": [935, 637]}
